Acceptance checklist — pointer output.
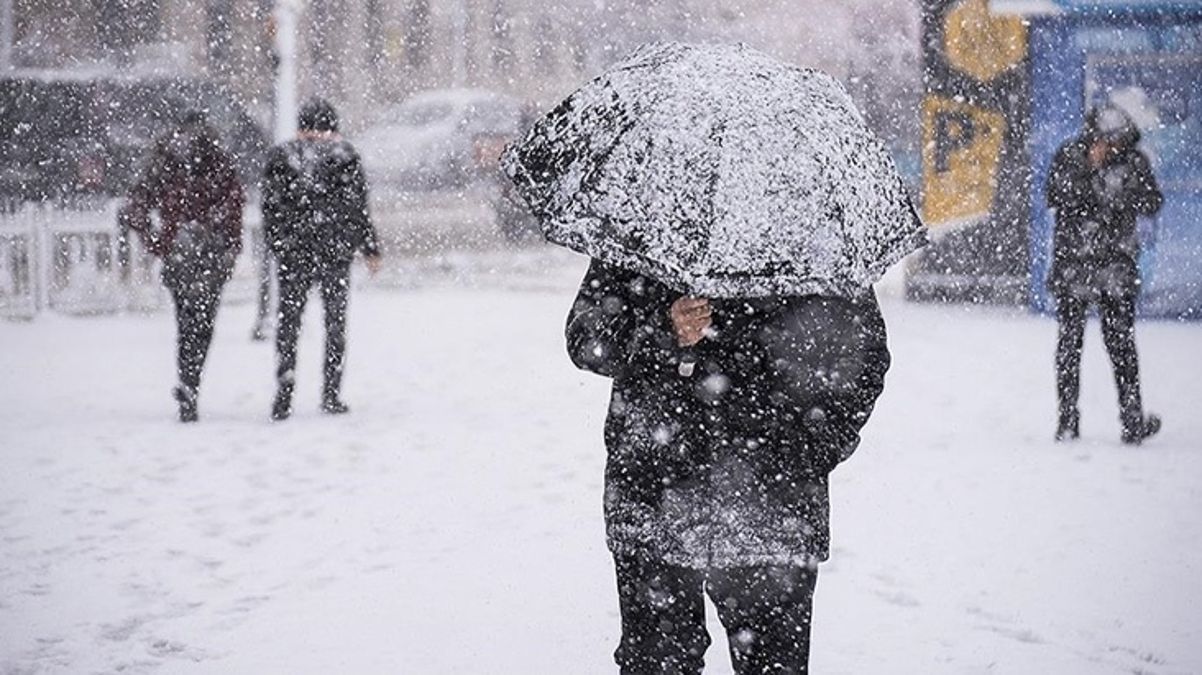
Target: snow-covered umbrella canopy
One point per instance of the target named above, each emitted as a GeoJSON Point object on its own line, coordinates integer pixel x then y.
{"type": "Point", "coordinates": [719, 171]}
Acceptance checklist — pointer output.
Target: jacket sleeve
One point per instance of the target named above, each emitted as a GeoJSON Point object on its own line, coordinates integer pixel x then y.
{"type": "Point", "coordinates": [233, 200]}
{"type": "Point", "coordinates": [1060, 190]}
{"type": "Point", "coordinates": [360, 209]}
{"type": "Point", "coordinates": [836, 432]}
{"type": "Point", "coordinates": [274, 200]}
{"type": "Point", "coordinates": [1146, 197]}
{"type": "Point", "coordinates": [619, 323]}
{"type": "Point", "coordinates": [134, 214]}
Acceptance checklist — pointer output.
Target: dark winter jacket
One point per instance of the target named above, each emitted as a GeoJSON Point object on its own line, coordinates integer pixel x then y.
{"type": "Point", "coordinates": [726, 467]}
{"type": "Point", "coordinates": [1096, 247]}
{"type": "Point", "coordinates": [193, 184]}
{"type": "Point", "coordinates": [315, 208]}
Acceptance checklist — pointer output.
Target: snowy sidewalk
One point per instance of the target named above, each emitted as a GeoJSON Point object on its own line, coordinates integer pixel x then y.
{"type": "Point", "coordinates": [452, 522]}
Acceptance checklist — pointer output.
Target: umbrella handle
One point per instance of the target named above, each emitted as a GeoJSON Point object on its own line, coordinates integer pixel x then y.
{"type": "Point", "coordinates": [688, 362]}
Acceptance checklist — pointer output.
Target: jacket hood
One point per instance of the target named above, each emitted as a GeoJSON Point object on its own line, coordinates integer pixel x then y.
{"type": "Point", "coordinates": [317, 114]}
{"type": "Point", "coordinates": [192, 145]}
{"type": "Point", "coordinates": [1113, 125]}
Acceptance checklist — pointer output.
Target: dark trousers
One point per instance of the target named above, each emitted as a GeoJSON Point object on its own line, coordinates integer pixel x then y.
{"type": "Point", "coordinates": [765, 611]}
{"type": "Point", "coordinates": [1118, 332]}
{"type": "Point", "coordinates": [334, 283]}
{"type": "Point", "coordinates": [195, 316]}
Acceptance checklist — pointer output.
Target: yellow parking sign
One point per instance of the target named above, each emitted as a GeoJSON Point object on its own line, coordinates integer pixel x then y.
{"type": "Point", "coordinates": [962, 148]}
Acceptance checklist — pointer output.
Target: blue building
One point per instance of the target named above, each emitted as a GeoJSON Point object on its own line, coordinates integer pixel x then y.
{"type": "Point", "coordinates": [1010, 81]}
{"type": "Point", "coordinates": [1145, 57]}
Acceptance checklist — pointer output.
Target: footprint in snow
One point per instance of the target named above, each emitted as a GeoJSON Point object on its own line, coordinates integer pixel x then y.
{"type": "Point", "coordinates": [1024, 635]}
{"type": "Point", "coordinates": [120, 632]}
{"type": "Point", "coordinates": [898, 598]}
{"type": "Point", "coordinates": [163, 648]}
{"type": "Point", "coordinates": [986, 614]}
{"type": "Point", "coordinates": [247, 603]}
{"type": "Point", "coordinates": [37, 590]}
{"type": "Point", "coordinates": [1141, 655]}
{"type": "Point", "coordinates": [250, 540]}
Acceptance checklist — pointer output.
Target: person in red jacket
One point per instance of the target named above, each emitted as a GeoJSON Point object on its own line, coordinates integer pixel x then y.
{"type": "Point", "coordinates": [192, 182]}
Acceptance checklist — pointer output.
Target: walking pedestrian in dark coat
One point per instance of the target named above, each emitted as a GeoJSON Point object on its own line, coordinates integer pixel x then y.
{"type": "Point", "coordinates": [725, 420]}
{"type": "Point", "coordinates": [1098, 184]}
{"type": "Point", "coordinates": [193, 184]}
{"type": "Point", "coordinates": [315, 212]}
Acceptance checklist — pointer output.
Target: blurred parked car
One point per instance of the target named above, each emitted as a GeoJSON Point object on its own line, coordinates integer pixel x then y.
{"type": "Point", "coordinates": [442, 138]}
{"type": "Point", "coordinates": [65, 137]}
{"type": "Point", "coordinates": [514, 219]}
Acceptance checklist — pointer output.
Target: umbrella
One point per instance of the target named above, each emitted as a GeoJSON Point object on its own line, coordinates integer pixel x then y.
{"type": "Point", "coordinates": [721, 172]}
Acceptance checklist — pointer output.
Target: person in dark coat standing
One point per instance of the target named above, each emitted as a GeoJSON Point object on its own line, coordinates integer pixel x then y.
{"type": "Point", "coordinates": [315, 213]}
{"type": "Point", "coordinates": [725, 419]}
{"type": "Point", "coordinates": [1098, 184]}
{"type": "Point", "coordinates": [193, 184]}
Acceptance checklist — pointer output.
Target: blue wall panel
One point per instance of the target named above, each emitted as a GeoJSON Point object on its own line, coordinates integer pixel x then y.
{"type": "Point", "coordinates": [1157, 58]}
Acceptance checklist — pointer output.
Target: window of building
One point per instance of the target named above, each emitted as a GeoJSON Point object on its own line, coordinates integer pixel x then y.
{"type": "Point", "coordinates": [124, 24]}
{"type": "Point", "coordinates": [417, 34]}
{"type": "Point", "coordinates": [545, 57]}
{"type": "Point", "coordinates": [502, 37]}
{"type": "Point", "coordinates": [219, 36]}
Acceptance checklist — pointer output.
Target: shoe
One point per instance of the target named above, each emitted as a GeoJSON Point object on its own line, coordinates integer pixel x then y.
{"type": "Point", "coordinates": [1069, 427]}
{"type": "Point", "coordinates": [332, 406]}
{"type": "Point", "coordinates": [187, 403]}
{"type": "Point", "coordinates": [281, 408]}
{"type": "Point", "coordinates": [1134, 434]}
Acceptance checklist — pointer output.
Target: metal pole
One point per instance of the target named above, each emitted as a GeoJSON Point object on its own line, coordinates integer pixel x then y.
{"type": "Point", "coordinates": [459, 55]}
{"type": "Point", "coordinates": [287, 13]}
{"type": "Point", "coordinates": [6, 35]}
{"type": "Point", "coordinates": [44, 239]}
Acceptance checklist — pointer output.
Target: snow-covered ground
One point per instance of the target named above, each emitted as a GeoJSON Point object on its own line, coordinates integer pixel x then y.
{"type": "Point", "coordinates": [452, 522]}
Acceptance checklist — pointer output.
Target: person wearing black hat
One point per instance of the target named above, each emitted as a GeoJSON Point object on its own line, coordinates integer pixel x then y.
{"type": "Point", "coordinates": [315, 214]}
{"type": "Point", "coordinates": [1098, 184]}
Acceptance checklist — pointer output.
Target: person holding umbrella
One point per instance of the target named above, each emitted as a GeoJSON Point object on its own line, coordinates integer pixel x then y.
{"type": "Point", "coordinates": [736, 211]}
{"type": "Point", "coordinates": [193, 184]}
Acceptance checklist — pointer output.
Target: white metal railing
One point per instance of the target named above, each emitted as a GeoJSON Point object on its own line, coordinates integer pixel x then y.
{"type": "Point", "coordinates": [78, 262]}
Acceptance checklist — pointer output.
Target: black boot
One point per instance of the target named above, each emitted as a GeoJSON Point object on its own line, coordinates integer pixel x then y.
{"type": "Point", "coordinates": [332, 405]}
{"type": "Point", "coordinates": [187, 403]}
{"type": "Point", "coordinates": [1069, 427]}
{"type": "Point", "coordinates": [281, 408]}
{"type": "Point", "coordinates": [1134, 432]}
